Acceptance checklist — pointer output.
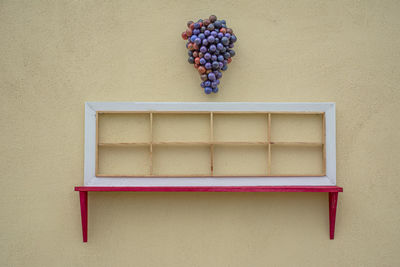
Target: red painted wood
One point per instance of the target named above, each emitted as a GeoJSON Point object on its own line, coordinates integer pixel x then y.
{"type": "Point", "coordinates": [213, 189]}
{"type": "Point", "coordinates": [83, 195]}
{"type": "Point", "coordinates": [333, 197]}
{"type": "Point", "coordinates": [332, 190]}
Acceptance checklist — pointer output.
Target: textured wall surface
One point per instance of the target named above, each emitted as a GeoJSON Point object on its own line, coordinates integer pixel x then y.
{"type": "Point", "coordinates": [55, 55]}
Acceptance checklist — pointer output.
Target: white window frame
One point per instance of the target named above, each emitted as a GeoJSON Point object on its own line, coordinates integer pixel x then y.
{"type": "Point", "coordinates": [90, 143]}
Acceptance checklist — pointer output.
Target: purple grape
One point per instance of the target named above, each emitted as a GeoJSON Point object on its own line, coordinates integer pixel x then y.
{"type": "Point", "coordinates": [208, 90]}
{"type": "Point", "coordinates": [217, 81]}
{"type": "Point", "coordinates": [227, 35]}
{"type": "Point", "coordinates": [220, 64]}
{"type": "Point", "coordinates": [191, 60]}
{"type": "Point", "coordinates": [211, 76]}
{"type": "Point", "coordinates": [207, 83]}
{"type": "Point", "coordinates": [203, 49]}
{"type": "Point", "coordinates": [219, 75]}
{"type": "Point", "coordinates": [206, 32]}
{"type": "Point", "coordinates": [197, 25]}
{"type": "Point", "coordinates": [210, 39]}
{"type": "Point", "coordinates": [215, 65]}
{"type": "Point", "coordinates": [220, 46]}
{"type": "Point", "coordinates": [227, 55]}
{"type": "Point", "coordinates": [212, 48]}
{"type": "Point", "coordinates": [193, 37]}
{"type": "Point", "coordinates": [196, 31]}
{"type": "Point", "coordinates": [205, 42]}
{"type": "Point", "coordinates": [220, 35]}
{"type": "Point", "coordinates": [225, 41]}
{"type": "Point", "coordinates": [202, 61]}
{"type": "Point", "coordinates": [232, 52]}
{"type": "Point", "coordinates": [233, 39]}
{"type": "Point", "coordinates": [214, 85]}
{"type": "Point", "coordinates": [202, 36]}
{"type": "Point", "coordinates": [207, 56]}
{"type": "Point", "coordinates": [202, 84]}
{"type": "Point", "coordinates": [231, 45]}
{"type": "Point", "coordinates": [220, 58]}
{"type": "Point", "coordinates": [197, 41]}
{"type": "Point", "coordinates": [224, 68]}
{"type": "Point", "coordinates": [214, 58]}
{"type": "Point", "coordinates": [214, 33]}
{"type": "Point", "coordinates": [215, 90]}
{"type": "Point", "coordinates": [207, 65]}
{"type": "Point", "coordinates": [216, 40]}
{"type": "Point", "coordinates": [210, 27]}
{"type": "Point", "coordinates": [218, 24]}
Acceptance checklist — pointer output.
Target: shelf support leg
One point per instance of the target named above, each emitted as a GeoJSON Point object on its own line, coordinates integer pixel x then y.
{"type": "Point", "coordinates": [333, 197]}
{"type": "Point", "coordinates": [83, 195]}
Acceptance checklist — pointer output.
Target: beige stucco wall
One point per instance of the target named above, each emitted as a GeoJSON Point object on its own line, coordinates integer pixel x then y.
{"type": "Point", "coordinates": [55, 55]}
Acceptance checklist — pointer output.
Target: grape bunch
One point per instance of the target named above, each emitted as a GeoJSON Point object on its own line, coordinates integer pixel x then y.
{"type": "Point", "coordinates": [210, 49]}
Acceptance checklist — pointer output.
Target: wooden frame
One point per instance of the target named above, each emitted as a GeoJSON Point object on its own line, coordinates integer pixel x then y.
{"type": "Point", "coordinates": [92, 145]}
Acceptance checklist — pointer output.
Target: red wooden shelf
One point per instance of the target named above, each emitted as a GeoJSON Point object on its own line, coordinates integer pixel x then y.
{"type": "Point", "coordinates": [332, 190]}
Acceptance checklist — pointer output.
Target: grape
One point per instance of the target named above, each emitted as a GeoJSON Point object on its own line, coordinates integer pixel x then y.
{"type": "Point", "coordinates": [215, 65]}
{"type": "Point", "coordinates": [210, 49]}
{"type": "Point", "coordinates": [197, 41]}
{"type": "Point", "coordinates": [218, 24]}
{"type": "Point", "coordinates": [208, 90]}
{"type": "Point", "coordinates": [225, 41]}
{"type": "Point", "coordinates": [212, 18]}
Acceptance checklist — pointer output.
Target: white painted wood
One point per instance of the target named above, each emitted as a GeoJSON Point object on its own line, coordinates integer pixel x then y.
{"type": "Point", "coordinates": [90, 143]}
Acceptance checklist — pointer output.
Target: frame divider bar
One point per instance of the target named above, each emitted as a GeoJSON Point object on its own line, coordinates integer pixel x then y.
{"type": "Point", "coordinates": [269, 144]}
{"type": "Point", "coordinates": [151, 143]}
{"type": "Point", "coordinates": [212, 145]}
